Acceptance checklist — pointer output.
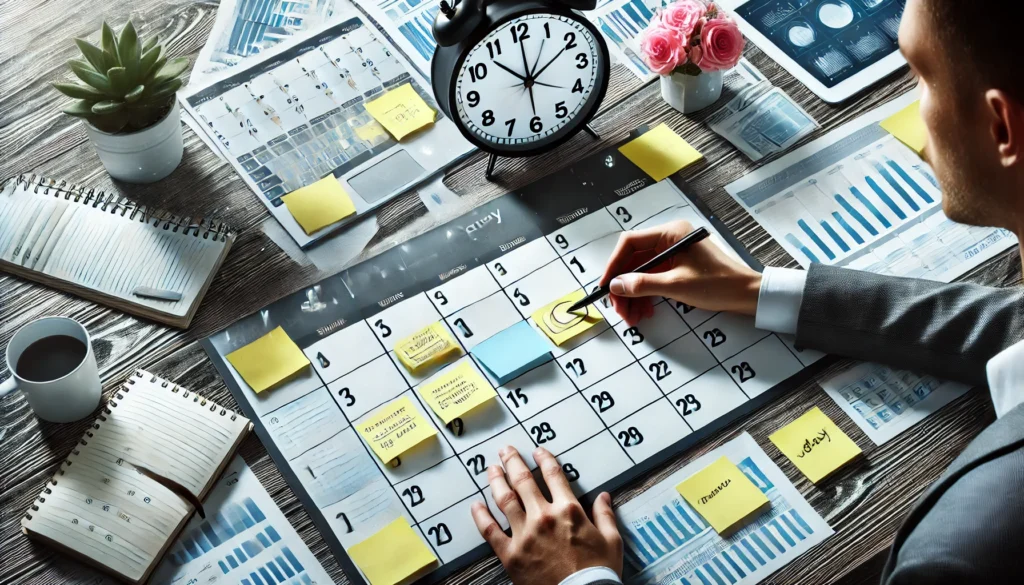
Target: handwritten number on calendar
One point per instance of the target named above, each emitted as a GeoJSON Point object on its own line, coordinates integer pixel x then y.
{"type": "Point", "coordinates": [638, 337]}
{"type": "Point", "coordinates": [604, 300]}
{"type": "Point", "coordinates": [561, 241]}
{"type": "Point", "coordinates": [715, 336]}
{"type": "Point", "coordinates": [744, 371]}
{"type": "Point", "coordinates": [631, 437]}
{"type": "Point", "coordinates": [659, 369]}
{"type": "Point", "coordinates": [348, 524]}
{"type": "Point", "coordinates": [466, 331]}
{"type": "Point", "coordinates": [577, 367]}
{"type": "Point", "coordinates": [579, 266]}
{"type": "Point", "coordinates": [477, 463]}
{"type": "Point", "coordinates": [501, 269]}
{"type": "Point", "coordinates": [517, 397]}
{"type": "Point", "coordinates": [457, 427]}
{"type": "Point", "coordinates": [441, 534]}
{"type": "Point", "coordinates": [686, 308]}
{"type": "Point", "coordinates": [689, 404]}
{"type": "Point", "coordinates": [624, 214]}
{"type": "Point", "coordinates": [571, 473]}
{"type": "Point", "coordinates": [604, 401]}
{"type": "Point", "coordinates": [521, 297]}
{"type": "Point", "coordinates": [415, 495]}
{"type": "Point", "coordinates": [385, 331]}
{"type": "Point", "coordinates": [443, 300]}
{"type": "Point", "coordinates": [542, 433]}
{"type": "Point", "coordinates": [346, 395]}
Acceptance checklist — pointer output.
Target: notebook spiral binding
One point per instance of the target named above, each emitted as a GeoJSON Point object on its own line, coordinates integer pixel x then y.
{"type": "Point", "coordinates": [207, 228]}
{"type": "Point", "coordinates": [111, 403]}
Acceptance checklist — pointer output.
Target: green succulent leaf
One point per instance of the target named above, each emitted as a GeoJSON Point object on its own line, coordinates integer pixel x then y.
{"type": "Point", "coordinates": [119, 79]}
{"type": "Point", "coordinates": [148, 62]}
{"type": "Point", "coordinates": [150, 43]}
{"type": "Point", "coordinates": [165, 90]}
{"type": "Point", "coordinates": [133, 95]}
{"type": "Point", "coordinates": [128, 48]}
{"type": "Point", "coordinates": [109, 43]}
{"type": "Point", "coordinates": [172, 69]}
{"type": "Point", "coordinates": [80, 109]}
{"type": "Point", "coordinates": [151, 75]}
{"type": "Point", "coordinates": [90, 76]}
{"type": "Point", "coordinates": [107, 107]}
{"type": "Point", "coordinates": [93, 54]}
{"type": "Point", "coordinates": [79, 91]}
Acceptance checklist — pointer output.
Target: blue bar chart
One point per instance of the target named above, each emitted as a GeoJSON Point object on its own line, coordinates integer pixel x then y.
{"type": "Point", "coordinates": [234, 518]}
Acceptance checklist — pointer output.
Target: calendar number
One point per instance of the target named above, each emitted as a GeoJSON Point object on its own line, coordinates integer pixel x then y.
{"type": "Point", "coordinates": [689, 404]}
{"type": "Point", "coordinates": [415, 495]}
{"type": "Point", "coordinates": [346, 395]}
{"type": "Point", "coordinates": [660, 370]}
{"type": "Point", "coordinates": [517, 397]}
{"type": "Point", "coordinates": [457, 427]}
{"type": "Point", "coordinates": [744, 371]}
{"type": "Point", "coordinates": [543, 433]}
{"type": "Point", "coordinates": [577, 367]}
{"type": "Point", "coordinates": [631, 437]}
{"type": "Point", "coordinates": [324, 362]}
{"type": "Point", "coordinates": [633, 332]}
{"type": "Point", "coordinates": [571, 473]}
{"type": "Point", "coordinates": [348, 524]}
{"type": "Point", "coordinates": [442, 300]}
{"type": "Point", "coordinates": [500, 269]}
{"type": "Point", "coordinates": [624, 214]}
{"type": "Point", "coordinates": [604, 401]}
{"type": "Point", "coordinates": [521, 297]}
{"type": "Point", "coordinates": [604, 300]}
{"type": "Point", "coordinates": [477, 463]}
{"type": "Point", "coordinates": [561, 241]}
{"type": "Point", "coordinates": [441, 534]}
{"type": "Point", "coordinates": [686, 308]}
{"type": "Point", "coordinates": [463, 328]}
{"type": "Point", "coordinates": [575, 262]}
{"type": "Point", "coordinates": [715, 337]}
{"type": "Point", "coordinates": [385, 331]}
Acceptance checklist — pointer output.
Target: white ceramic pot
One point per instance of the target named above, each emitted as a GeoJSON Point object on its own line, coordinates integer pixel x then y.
{"type": "Point", "coordinates": [144, 156]}
{"type": "Point", "coordinates": [689, 93]}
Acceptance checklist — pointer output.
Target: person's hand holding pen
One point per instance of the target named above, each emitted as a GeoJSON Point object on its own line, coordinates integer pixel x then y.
{"type": "Point", "coordinates": [702, 276]}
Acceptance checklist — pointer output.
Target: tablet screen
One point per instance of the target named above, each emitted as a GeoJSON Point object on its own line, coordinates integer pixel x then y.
{"type": "Point", "coordinates": [831, 39]}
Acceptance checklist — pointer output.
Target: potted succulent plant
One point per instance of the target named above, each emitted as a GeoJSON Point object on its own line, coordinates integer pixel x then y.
{"type": "Point", "coordinates": [127, 100]}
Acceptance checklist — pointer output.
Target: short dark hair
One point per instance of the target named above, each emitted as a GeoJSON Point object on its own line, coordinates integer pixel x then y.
{"type": "Point", "coordinates": [988, 35]}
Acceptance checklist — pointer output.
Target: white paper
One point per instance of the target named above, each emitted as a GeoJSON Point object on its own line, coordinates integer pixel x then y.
{"type": "Point", "coordinates": [669, 543]}
{"type": "Point", "coordinates": [884, 401]}
{"type": "Point", "coordinates": [245, 539]}
{"type": "Point", "coordinates": [762, 120]}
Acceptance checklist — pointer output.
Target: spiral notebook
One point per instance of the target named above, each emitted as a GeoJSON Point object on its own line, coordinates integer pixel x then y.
{"type": "Point", "coordinates": [125, 492]}
{"type": "Point", "coordinates": [108, 249]}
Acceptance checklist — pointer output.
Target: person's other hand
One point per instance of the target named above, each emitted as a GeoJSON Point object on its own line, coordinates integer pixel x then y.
{"type": "Point", "coordinates": [702, 276]}
{"type": "Point", "coordinates": [550, 540]}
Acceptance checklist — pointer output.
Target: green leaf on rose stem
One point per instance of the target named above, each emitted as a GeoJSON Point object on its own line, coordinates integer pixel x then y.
{"type": "Point", "coordinates": [689, 69]}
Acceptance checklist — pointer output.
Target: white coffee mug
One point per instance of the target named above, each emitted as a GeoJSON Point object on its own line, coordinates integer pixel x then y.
{"type": "Point", "coordinates": [66, 399]}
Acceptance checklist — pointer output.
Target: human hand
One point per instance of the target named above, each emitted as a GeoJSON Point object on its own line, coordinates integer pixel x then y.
{"type": "Point", "coordinates": [549, 541]}
{"type": "Point", "coordinates": [702, 276]}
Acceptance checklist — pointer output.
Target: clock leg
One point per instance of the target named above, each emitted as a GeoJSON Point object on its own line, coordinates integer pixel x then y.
{"type": "Point", "coordinates": [489, 174]}
{"type": "Point", "coordinates": [592, 132]}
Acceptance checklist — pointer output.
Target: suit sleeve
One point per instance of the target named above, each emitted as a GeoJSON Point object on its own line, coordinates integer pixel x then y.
{"type": "Point", "coordinates": [947, 330]}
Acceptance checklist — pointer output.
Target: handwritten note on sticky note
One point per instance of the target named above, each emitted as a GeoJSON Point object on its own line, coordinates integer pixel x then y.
{"type": "Point", "coordinates": [660, 152]}
{"type": "Point", "coordinates": [402, 111]}
{"type": "Point", "coordinates": [512, 352]}
{"type": "Point", "coordinates": [908, 127]}
{"type": "Point", "coordinates": [815, 445]}
{"type": "Point", "coordinates": [426, 348]}
{"type": "Point", "coordinates": [268, 361]}
{"type": "Point", "coordinates": [559, 324]}
{"type": "Point", "coordinates": [456, 392]}
{"type": "Point", "coordinates": [392, 555]}
{"type": "Point", "coordinates": [395, 428]}
{"type": "Point", "coordinates": [724, 496]}
{"type": "Point", "coordinates": [319, 205]}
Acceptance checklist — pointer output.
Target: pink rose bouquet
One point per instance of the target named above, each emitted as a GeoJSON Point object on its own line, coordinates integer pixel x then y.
{"type": "Point", "coordinates": [690, 37]}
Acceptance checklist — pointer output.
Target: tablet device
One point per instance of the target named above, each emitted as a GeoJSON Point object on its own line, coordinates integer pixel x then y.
{"type": "Point", "coordinates": [835, 47]}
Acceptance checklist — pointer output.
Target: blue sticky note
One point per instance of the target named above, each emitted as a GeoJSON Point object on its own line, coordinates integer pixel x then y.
{"type": "Point", "coordinates": [513, 352]}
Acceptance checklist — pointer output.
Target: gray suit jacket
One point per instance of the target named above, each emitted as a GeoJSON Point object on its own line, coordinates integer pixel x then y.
{"type": "Point", "coordinates": [968, 527]}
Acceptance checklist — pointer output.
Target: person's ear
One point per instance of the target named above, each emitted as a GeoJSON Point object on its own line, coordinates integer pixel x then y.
{"type": "Point", "coordinates": [1007, 115]}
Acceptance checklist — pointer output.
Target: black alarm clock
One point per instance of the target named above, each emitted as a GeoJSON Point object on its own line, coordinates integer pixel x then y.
{"type": "Point", "coordinates": [518, 77]}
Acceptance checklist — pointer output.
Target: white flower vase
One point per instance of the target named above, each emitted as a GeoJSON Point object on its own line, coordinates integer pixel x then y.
{"type": "Point", "coordinates": [689, 93]}
{"type": "Point", "coordinates": [144, 156]}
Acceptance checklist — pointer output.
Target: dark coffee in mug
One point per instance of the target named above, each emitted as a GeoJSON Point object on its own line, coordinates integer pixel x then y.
{"type": "Point", "coordinates": [50, 358]}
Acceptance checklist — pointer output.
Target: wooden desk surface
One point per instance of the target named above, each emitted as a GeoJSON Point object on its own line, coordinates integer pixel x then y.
{"type": "Point", "coordinates": [864, 504]}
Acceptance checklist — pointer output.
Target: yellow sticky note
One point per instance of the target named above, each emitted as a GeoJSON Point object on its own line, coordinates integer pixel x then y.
{"type": "Point", "coordinates": [392, 555]}
{"type": "Point", "coordinates": [724, 496]}
{"type": "Point", "coordinates": [660, 152]}
{"type": "Point", "coordinates": [395, 428]}
{"type": "Point", "coordinates": [456, 392]}
{"type": "Point", "coordinates": [371, 132]}
{"type": "Point", "coordinates": [402, 111]}
{"type": "Point", "coordinates": [319, 205]}
{"type": "Point", "coordinates": [559, 324]}
{"type": "Point", "coordinates": [427, 347]}
{"type": "Point", "coordinates": [815, 445]}
{"type": "Point", "coordinates": [268, 361]}
{"type": "Point", "coordinates": [908, 127]}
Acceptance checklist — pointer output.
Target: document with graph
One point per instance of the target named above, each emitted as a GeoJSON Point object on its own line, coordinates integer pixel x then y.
{"type": "Point", "coordinates": [245, 539]}
{"type": "Point", "coordinates": [667, 542]}
{"type": "Point", "coordinates": [860, 199]}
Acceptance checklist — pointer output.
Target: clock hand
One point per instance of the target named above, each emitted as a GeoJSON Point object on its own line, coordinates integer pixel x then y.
{"type": "Point", "coordinates": [532, 105]}
{"type": "Point", "coordinates": [510, 71]}
{"type": "Point", "coordinates": [535, 82]}
{"type": "Point", "coordinates": [526, 68]}
{"type": "Point", "coordinates": [537, 60]}
{"type": "Point", "coordinates": [557, 55]}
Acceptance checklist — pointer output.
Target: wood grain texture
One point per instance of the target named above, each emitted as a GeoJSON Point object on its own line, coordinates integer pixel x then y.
{"type": "Point", "coordinates": [864, 504]}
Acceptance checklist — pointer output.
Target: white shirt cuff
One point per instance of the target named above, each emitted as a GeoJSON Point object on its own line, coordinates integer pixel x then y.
{"type": "Point", "coordinates": [779, 300]}
{"type": "Point", "coordinates": [1005, 377]}
{"type": "Point", "coordinates": [590, 575]}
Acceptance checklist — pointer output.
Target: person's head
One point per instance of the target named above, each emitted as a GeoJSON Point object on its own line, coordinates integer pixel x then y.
{"type": "Point", "coordinates": [968, 57]}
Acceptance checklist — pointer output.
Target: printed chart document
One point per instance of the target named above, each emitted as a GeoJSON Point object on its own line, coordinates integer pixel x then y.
{"type": "Point", "coordinates": [859, 198]}
{"type": "Point", "coordinates": [667, 542]}
{"type": "Point", "coordinates": [884, 401]}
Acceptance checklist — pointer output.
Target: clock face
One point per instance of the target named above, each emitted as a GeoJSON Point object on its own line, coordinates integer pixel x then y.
{"type": "Point", "coordinates": [529, 82]}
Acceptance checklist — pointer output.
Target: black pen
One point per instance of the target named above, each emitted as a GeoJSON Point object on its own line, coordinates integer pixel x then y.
{"type": "Point", "coordinates": [687, 241]}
